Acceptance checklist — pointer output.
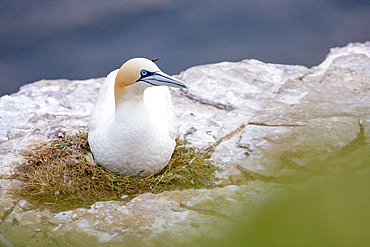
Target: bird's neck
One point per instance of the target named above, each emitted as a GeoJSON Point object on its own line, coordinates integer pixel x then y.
{"type": "Point", "coordinates": [127, 99]}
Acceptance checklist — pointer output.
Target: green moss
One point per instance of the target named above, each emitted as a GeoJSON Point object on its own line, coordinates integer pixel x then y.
{"type": "Point", "coordinates": [60, 174]}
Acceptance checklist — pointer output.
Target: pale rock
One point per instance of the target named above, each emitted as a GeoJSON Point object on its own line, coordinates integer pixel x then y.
{"type": "Point", "coordinates": [67, 216]}
{"type": "Point", "coordinates": [40, 111]}
{"type": "Point", "coordinates": [160, 219]}
{"type": "Point", "coordinates": [263, 124]}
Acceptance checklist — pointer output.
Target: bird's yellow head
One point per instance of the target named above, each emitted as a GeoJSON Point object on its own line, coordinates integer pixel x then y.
{"type": "Point", "coordinates": [142, 70]}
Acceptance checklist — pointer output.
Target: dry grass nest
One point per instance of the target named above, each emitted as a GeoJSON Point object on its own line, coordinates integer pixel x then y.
{"type": "Point", "coordinates": [61, 175]}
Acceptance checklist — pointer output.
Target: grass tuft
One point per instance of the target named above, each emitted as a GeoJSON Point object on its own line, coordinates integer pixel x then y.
{"type": "Point", "coordinates": [61, 174]}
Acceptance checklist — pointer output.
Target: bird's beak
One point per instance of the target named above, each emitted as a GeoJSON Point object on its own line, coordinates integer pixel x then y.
{"type": "Point", "coordinates": [162, 79]}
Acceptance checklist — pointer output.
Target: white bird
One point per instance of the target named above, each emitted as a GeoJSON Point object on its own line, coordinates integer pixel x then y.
{"type": "Point", "coordinates": [132, 127]}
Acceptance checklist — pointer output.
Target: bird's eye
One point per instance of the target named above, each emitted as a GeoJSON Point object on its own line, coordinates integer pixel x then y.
{"type": "Point", "coordinates": [143, 72]}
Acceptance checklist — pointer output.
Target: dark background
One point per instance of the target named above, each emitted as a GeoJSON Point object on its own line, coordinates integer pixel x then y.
{"type": "Point", "coordinates": [85, 39]}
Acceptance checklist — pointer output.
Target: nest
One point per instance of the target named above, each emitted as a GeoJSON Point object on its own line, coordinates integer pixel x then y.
{"type": "Point", "coordinates": [62, 175]}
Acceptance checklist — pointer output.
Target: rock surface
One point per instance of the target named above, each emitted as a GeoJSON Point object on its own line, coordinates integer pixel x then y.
{"type": "Point", "coordinates": [265, 124]}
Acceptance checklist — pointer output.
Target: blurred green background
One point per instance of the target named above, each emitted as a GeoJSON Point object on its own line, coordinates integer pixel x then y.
{"type": "Point", "coordinates": [331, 209]}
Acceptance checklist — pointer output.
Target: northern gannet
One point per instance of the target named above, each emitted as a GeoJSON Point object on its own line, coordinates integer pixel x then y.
{"type": "Point", "coordinates": [132, 127]}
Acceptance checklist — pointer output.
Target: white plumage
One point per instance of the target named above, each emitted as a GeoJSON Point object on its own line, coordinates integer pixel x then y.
{"type": "Point", "coordinates": [132, 127]}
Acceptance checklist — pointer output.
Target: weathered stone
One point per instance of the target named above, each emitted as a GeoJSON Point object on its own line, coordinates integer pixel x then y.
{"type": "Point", "coordinates": [163, 218]}
{"type": "Point", "coordinates": [38, 112]}
{"type": "Point", "coordinates": [67, 216]}
{"type": "Point", "coordinates": [263, 124]}
{"type": "Point", "coordinates": [24, 224]}
{"type": "Point", "coordinates": [7, 203]}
